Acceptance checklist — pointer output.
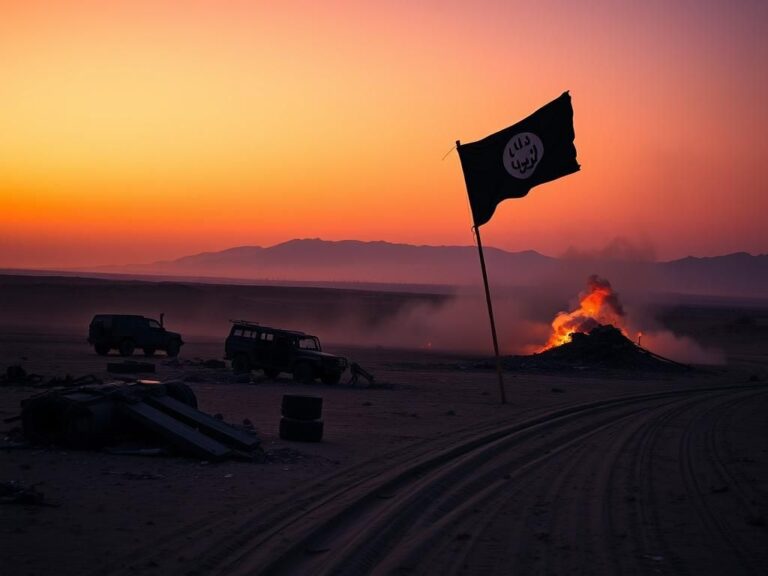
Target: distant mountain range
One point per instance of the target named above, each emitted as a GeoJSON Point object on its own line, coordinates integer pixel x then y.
{"type": "Point", "coordinates": [738, 274]}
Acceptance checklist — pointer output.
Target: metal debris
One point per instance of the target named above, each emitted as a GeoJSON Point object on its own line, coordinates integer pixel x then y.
{"type": "Point", "coordinates": [98, 416]}
{"type": "Point", "coordinates": [358, 372]}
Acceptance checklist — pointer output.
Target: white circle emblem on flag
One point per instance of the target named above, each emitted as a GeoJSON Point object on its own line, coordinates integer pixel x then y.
{"type": "Point", "coordinates": [522, 154]}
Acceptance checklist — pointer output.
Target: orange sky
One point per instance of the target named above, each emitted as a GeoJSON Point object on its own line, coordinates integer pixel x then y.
{"type": "Point", "coordinates": [136, 131]}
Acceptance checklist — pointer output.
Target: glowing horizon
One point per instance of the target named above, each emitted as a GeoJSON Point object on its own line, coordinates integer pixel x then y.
{"type": "Point", "coordinates": [143, 131]}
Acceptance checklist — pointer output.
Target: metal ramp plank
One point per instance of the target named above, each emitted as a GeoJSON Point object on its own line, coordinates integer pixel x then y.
{"type": "Point", "coordinates": [180, 435]}
{"type": "Point", "coordinates": [211, 426]}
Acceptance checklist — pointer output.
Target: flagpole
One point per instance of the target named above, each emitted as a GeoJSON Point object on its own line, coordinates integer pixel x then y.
{"type": "Point", "coordinates": [476, 229]}
{"type": "Point", "coordinates": [490, 315]}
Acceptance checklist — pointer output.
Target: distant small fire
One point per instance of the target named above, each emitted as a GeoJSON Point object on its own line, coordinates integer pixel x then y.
{"type": "Point", "coordinates": [599, 304]}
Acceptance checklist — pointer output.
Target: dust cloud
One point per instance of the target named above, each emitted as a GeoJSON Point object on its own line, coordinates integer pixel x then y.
{"type": "Point", "coordinates": [681, 348]}
{"type": "Point", "coordinates": [458, 324]}
{"type": "Point", "coordinates": [453, 320]}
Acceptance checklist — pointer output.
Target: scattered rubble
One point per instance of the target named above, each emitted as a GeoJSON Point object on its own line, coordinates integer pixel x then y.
{"type": "Point", "coordinates": [16, 376]}
{"type": "Point", "coordinates": [284, 456]}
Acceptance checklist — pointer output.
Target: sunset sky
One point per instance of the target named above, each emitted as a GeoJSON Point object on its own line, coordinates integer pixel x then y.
{"type": "Point", "coordinates": [145, 130]}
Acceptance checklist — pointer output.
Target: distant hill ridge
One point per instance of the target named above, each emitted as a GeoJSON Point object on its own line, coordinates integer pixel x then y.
{"type": "Point", "coordinates": [379, 261]}
{"type": "Point", "coordinates": [310, 248]}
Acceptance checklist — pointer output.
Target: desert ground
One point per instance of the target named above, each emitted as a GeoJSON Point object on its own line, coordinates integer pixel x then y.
{"type": "Point", "coordinates": [581, 472]}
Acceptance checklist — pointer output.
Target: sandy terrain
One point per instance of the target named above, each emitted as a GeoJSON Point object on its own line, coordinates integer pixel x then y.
{"type": "Point", "coordinates": [425, 473]}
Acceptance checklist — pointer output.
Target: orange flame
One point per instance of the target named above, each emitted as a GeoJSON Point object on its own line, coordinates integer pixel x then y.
{"type": "Point", "coordinates": [598, 305]}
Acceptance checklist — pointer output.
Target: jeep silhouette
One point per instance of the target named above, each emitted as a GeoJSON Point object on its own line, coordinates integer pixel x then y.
{"type": "Point", "coordinates": [128, 332]}
{"type": "Point", "coordinates": [253, 347]}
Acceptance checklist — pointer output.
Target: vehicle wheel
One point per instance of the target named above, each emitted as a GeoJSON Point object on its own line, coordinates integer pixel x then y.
{"type": "Point", "coordinates": [271, 373]}
{"type": "Point", "coordinates": [149, 351]}
{"type": "Point", "coordinates": [331, 378]}
{"type": "Point", "coordinates": [126, 347]}
{"type": "Point", "coordinates": [101, 349]}
{"type": "Point", "coordinates": [301, 430]}
{"type": "Point", "coordinates": [240, 363]}
{"type": "Point", "coordinates": [303, 373]}
{"type": "Point", "coordinates": [181, 392]}
{"type": "Point", "coordinates": [302, 407]}
{"type": "Point", "coordinates": [173, 348]}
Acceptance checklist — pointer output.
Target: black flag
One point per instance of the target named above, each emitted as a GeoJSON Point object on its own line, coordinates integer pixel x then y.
{"type": "Point", "coordinates": [510, 162]}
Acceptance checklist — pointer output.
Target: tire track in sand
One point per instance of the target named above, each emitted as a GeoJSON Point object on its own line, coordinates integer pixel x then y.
{"type": "Point", "coordinates": [378, 520]}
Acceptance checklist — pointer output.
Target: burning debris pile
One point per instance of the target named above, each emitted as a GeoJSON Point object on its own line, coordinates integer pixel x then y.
{"type": "Point", "coordinates": [598, 305]}
{"type": "Point", "coordinates": [594, 336]}
{"type": "Point", "coordinates": [603, 347]}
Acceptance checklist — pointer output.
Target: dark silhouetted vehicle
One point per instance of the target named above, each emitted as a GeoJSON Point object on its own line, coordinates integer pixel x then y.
{"type": "Point", "coordinates": [126, 332]}
{"type": "Point", "coordinates": [251, 346]}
